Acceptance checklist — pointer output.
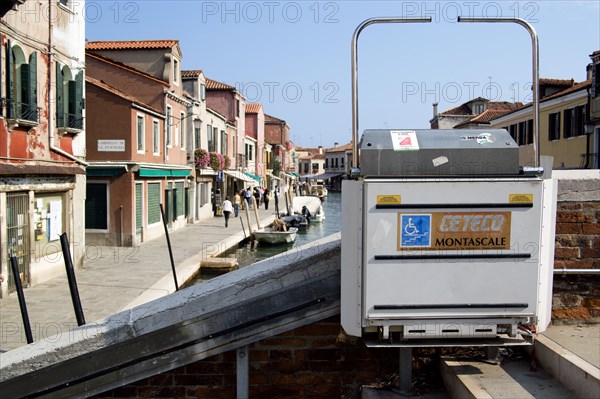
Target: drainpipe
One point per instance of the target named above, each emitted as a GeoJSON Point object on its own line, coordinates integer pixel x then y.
{"type": "Point", "coordinates": [52, 145]}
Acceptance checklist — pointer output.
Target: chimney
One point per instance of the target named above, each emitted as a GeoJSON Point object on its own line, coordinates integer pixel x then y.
{"type": "Point", "coordinates": [335, 144]}
{"type": "Point", "coordinates": [435, 110]}
{"type": "Point", "coordinates": [320, 149]}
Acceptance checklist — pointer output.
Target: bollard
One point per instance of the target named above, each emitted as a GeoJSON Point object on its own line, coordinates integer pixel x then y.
{"type": "Point", "coordinates": [64, 242]}
{"type": "Point", "coordinates": [243, 229]}
{"type": "Point", "coordinates": [21, 295]}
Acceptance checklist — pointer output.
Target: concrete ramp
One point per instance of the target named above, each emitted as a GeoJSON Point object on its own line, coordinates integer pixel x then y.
{"type": "Point", "coordinates": [268, 298]}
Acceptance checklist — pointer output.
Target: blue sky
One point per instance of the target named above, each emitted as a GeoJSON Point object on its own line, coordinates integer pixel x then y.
{"type": "Point", "coordinates": [294, 56]}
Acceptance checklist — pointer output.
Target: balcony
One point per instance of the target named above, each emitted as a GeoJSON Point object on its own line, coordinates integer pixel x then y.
{"type": "Point", "coordinates": [70, 123]}
{"type": "Point", "coordinates": [19, 113]}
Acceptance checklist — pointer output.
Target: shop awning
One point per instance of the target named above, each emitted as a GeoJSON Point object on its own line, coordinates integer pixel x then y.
{"type": "Point", "coordinates": [272, 176]}
{"type": "Point", "coordinates": [289, 175]}
{"type": "Point", "coordinates": [239, 175]}
{"type": "Point", "coordinates": [149, 172]}
{"type": "Point", "coordinates": [328, 175]}
{"type": "Point", "coordinates": [296, 175]}
{"type": "Point", "coordinates": [105, 172]}
{"type": "Point", "coordinates": [258, 179]}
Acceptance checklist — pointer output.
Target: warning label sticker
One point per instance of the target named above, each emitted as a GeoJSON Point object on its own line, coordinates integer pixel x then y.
{"type": "Point", "coordinates": [404, 140]}
{"type": "Point", "coordinates": [454, 230]}
{"type": "Point", "coordinates": [520, 198]}
{"type": "Point", "coordinates": [390, 199]}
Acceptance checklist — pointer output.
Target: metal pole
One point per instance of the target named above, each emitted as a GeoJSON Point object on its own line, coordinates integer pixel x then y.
{"type": "Point", "coordinates": [242, 371]}
{"type": "Point", "coordinates": [21, 295]}
{"type": "Point", "coordinates": [162, 212]}
{"type": "Point", "coordinates": [64, 242]}
{"type": "Point", "coordinates": [405, 370]}
{"type": "Point", "coordinates": [354, 64]}
{"type": "Point", "coordinates": [535, 67]}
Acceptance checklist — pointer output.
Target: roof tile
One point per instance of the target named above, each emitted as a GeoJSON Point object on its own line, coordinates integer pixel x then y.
{"type": "Point", "coordinates": [131, 44]}
{"type": "Point", "coordinates": [214, 85]}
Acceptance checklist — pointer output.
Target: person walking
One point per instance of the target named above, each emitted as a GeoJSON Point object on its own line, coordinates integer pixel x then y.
{"type": "Point", "coordinates": [227, 208]}
{"type": "Point", "coordinates": [248, 196]}
{"type": "Point", "coordinates": [266, 198]}
{"type": "Point", "coordinates": [237, 200]}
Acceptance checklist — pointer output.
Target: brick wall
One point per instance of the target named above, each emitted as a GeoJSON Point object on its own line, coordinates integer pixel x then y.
{"type": "Point", "coordinates": [576, 298]}
{"type": "Point", "coordinates": [314, 361]}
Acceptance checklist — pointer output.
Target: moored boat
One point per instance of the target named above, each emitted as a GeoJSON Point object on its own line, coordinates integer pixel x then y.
{"type": "Point", "coordinates": [271, 236]}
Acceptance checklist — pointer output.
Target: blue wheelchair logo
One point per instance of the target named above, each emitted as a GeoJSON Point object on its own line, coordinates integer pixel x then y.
{"type": "Point", "coordinates": [415, 231]}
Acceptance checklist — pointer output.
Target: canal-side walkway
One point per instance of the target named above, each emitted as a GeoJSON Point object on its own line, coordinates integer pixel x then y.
{"type": "Point", "coordinates": [117, 278]}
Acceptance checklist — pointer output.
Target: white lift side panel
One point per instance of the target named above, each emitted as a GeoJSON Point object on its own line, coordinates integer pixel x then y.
{"type": "Point", "coordinates": [496, 276]}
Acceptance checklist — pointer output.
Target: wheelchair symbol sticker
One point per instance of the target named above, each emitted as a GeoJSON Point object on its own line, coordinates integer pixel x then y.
{"type": "Point", "coordinates": [415, 230]}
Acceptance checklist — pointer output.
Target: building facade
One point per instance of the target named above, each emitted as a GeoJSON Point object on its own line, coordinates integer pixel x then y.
{"type": "Point", "coordinates": [42, 138]}
{"type": "Point", "coordinates": [138, 158]}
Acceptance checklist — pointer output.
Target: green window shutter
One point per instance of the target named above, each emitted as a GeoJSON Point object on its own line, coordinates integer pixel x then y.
{"type": "Point", "coordinates": [153, 203]}
{"type": "Point", "coordinates": [60, 111]}
{"type": "Point", "coordinates": [22, 109]}
{"type": "Point", "coordinates": [32, 88]}
{"type": "Point", "coordinates": [10, 77]}
{"type": "Point", "coordinates": [96, 206]}
{"type": "Point", "coordinates": [70, 114]}
{"type": "Point", "coordinates": [138, 206]}
{"type": "Point", "coordinates": [79, 104]}
{"type": "Point", "coordinates": [180, 193]}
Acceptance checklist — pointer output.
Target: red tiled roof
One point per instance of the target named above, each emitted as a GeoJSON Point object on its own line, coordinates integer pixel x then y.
{"type": "Point", "coordinates": [253, 108]}
{"type": "Point", "coordinates": [557, 82]}
{"type": "Point", "coordinates": [272, 119]}
{"type": "Point", "coordinates": [124, 66]}
{"type": "Point", "coordinates": [214, 85]}
{"type": "Point", "coordinates": [485, 117]}
{"type": "Point", "coordinates": [307, 149]}
{"type": "Point", "coordinates": [314, 156]}
{"type": "Point", "coordinates": [191, 74]}
{"type": "Point", "coordinates": [131, 44]}
{"type": "Point", "coordinates": [100, 84]}
{"type": "Point", "coordinates": [339, 148]}
{"type": "Point", "coordinates": [464, 109]}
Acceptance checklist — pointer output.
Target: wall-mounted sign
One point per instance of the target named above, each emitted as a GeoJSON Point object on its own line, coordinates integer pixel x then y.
{"type": "Point", "coordinates": [111, 145]}
{"type": "Point", "coordinates": [454, 230]}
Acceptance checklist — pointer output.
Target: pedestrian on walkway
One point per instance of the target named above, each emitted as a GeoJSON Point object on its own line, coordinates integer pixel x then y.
{"type": "Point", "coordinates": [227, 208]}
{"type": "Point", "coordinates": [236, 204]}
{"type": "Point", "coordinates": [248, 196]}
{"type": "Point", "coordinates": [266, 198]}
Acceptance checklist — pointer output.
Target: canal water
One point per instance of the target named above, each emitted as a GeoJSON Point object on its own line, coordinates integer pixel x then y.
{"type": "Point", "coordinates": [253, 252]}
{"type": "Point", "coordinates": [250, 253]}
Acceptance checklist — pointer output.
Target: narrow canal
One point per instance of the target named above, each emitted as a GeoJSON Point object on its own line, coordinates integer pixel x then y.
{"type": "Point", "coordinates": [250, 253]}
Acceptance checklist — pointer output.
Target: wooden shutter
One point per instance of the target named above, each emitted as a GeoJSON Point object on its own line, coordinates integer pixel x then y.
{"type": "Point", "coordinates": [32, 88]}
{"type": "Point", "coordinates": [180, 193]}
{"type": "Point", "coordinates": [153, 203]}
{"type": "Point", "coordinates": [60, 108]}
{"type": "Point", "coordinates": [10, 77]}
{"type": "Point", "coordinates": [138, 206]}
{"type": "Point", "coordinates": [79, 105]}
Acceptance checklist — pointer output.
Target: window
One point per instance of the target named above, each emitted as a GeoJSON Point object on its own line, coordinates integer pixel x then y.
{"type": "Point", "coordinates": [223, 142]}
{"type": "Point", "coordinates": [513, 132]}
{"type": "Point", "coordinates": [529, 131]}
{"type": "Point", "coordinates": [554, 126]}
{"type": "Point", "coordinates": [182, 123]}
{"type": "Point", "coordinates": [477, 109]}
{"type": "Point", "coordinates": [567, 123]}
{"type": "Point", "coordinates": [595, 91]}
{"type": "Point", "coordinates": [169, 123]}
{"type": "Point", "coordinates": [249, 151]}
{"type": "Point", "coordinates": [522, 135]}
{"type": "Point", "coordinates": [578, 121]}
{"type": "Point", "coordinates": [326, 163]}
{"type": "Point", "coordinates": [215, 137]}
{"type": "Point", "coordinates": [203, 92]}
{"type": "Point", "coordinates": [155, 138]}
{"type": "Point", "coordinates": [69, 98]}
{"type": "Point", "coordinates": [175, 71]}
{"type": "Point", "coordinates": [21, 82]}
{"type": "Point", "coordinates": [342, 162]}
{"type": "Point", "coordinates": [140, 133]}
{"type": "Point", "coordinates": [315, 167]}
{"type": "Point", "coordinates": [209, 136]}
{"type": "Point", "coordinates": [96, 206]}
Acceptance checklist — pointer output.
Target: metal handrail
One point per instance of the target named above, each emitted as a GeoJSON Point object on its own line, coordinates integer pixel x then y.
{"type": "Point", "coordinates": [535, 72]}
{"type": "Point", "coordinates": [359, 29]}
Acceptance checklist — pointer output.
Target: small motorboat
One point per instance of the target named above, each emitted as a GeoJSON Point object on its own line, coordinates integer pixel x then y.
{"type": "Point", "coordinates": [271, 236]}
{"type": "Point", "coordinates": [310, 207]}
{"type": "Point", "coordinates": [296, 220]}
